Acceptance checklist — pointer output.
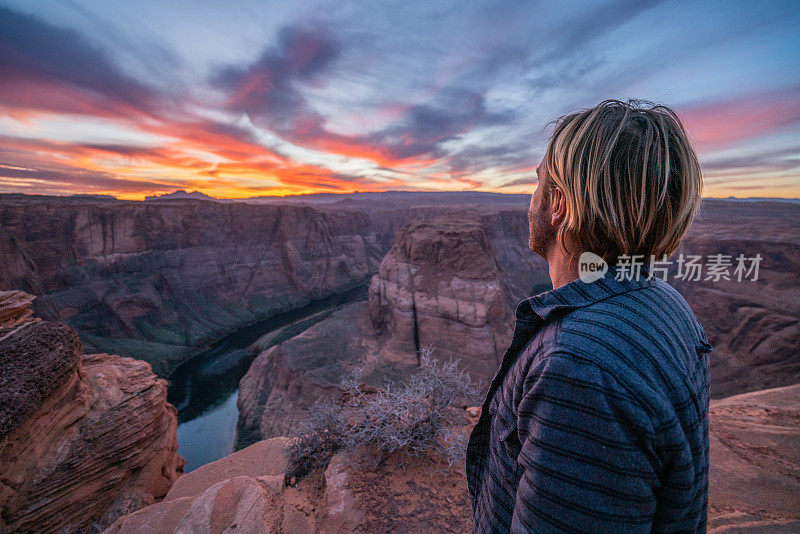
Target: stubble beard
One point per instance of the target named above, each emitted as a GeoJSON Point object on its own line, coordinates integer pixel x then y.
{"type": "Point", "coordinates": [542, 235]}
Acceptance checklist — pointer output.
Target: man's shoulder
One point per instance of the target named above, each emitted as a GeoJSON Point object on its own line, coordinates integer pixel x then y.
{"type": "Point", "coordinates": [653, 317]}
{"type": "Point", "coordinates": [648, 340]}
{"type": "Point", "coordinates": [644, 335]}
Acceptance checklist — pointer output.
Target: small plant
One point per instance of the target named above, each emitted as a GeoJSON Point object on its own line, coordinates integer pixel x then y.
{"type": "Point", "coordinates": [318, 438]}
{"type": "Point", "coordinates": [410, 420]}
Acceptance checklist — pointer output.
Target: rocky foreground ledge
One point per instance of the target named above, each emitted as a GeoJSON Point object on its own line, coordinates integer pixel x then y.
{"type": "Point", "coordinates": [84, 439]}
{"type": "Point", "coordinates": [755, 462]}
{"type": "Point", "coordinates": [754, 485]}
{"type": "Point", "coordinates": [246, 492]}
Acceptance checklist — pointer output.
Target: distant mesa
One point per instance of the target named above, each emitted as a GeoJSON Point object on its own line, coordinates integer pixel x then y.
{"type": "Point", "coordinates": [427, 198]}
{"type": "Point", "coordinates": [180, 194]}
{"type": "Point", "coordinates": [91, 196]}
{"type": "Point", "coordinates": [764, 199]}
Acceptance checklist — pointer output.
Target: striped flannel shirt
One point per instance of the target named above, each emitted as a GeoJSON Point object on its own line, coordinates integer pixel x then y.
{"type": "Point", "coordinates": [597, 419]}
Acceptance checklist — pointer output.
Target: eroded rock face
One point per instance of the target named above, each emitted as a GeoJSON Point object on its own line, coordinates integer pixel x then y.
{"type": "Point", "coordinates": [15, 308]}
{"type": "Point", "coordinates": [243, 492]}
{"type": "Point", "coordinates": [754, 325]}
{"type": "Point", "coordinates": [36, 361]}
{"type": "Point", "coordinates": [86, 438]}
{"type": "Point", "coordinates": [440, 286]}
{"type": "Point", "coordinates": [155, 280]}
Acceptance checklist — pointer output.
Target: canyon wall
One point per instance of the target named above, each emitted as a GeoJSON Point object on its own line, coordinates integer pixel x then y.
{"type": "Point", "coordinates": [440, 286]}
{"type": "Point", "coordinates": [84, 439]}
{"type": "Point", "coordinates": [754, 325]}
{"type": "Point", "coordinates": [155, 280]}
{"type": "Point", "coordinates": [158, 280]}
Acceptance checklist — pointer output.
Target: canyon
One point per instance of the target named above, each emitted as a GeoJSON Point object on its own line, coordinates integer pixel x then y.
{"type": "Point", "coordinates": [158, 283]}
{"type": "Point", "coordinates": [160, 280]}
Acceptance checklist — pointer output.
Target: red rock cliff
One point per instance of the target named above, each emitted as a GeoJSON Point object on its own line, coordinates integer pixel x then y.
{"type": "Point", "coordinates": [83, 438]}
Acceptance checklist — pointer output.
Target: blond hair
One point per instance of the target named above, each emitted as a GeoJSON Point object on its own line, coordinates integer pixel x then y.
{"type": "Point", "coordinates": [630, 176]}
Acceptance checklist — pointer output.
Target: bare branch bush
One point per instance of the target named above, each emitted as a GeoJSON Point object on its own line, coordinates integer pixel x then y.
{"type": "Point", "coordinates": [410, 419]}
{"type": "Point", "coordinates": [319, 436]}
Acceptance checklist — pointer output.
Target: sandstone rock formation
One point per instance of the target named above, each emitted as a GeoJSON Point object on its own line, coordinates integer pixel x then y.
{"type": "Point", "coordinates": [440, 286]}
{"type": "Point", "coordinates": [83, 438]}
{"type": "Point", "coordinates": [15, 308]}
{"type": "Point", "coordinates": [245, 492]}
{"type": "Point", "coordinates": [755, 462]}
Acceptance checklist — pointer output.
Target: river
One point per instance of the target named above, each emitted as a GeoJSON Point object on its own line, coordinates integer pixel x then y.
{"type": "Point", "coordinates": [205, 388]}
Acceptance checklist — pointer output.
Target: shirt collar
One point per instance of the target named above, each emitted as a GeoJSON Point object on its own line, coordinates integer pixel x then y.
{"type": "Point", "coordinates": [578, 293]}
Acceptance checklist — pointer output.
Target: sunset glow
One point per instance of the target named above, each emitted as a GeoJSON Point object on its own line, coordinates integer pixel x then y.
{"type": "Point", "coordinates": [249, 99]}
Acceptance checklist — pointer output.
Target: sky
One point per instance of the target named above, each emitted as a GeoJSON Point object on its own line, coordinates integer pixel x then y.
{"type": "Point", "coordinates": [240, 99]}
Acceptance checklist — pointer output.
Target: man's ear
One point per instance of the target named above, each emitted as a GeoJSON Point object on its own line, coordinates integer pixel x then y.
{"type": "Point", "coordinates": [558, 205]}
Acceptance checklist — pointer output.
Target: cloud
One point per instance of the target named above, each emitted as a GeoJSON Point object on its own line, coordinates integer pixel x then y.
{"type": "Point", "coordinates": [50, 68]}
{"type": "Point", "coordinates": [62, 176]}
{"type": "Point", "coordinates": [776, 160]}
{"type": "Point", "coordinates": [719, 123]}
{"type": "Point", "coordinates": [508, 156]}
{"type": "Point", "coordinates": [519, 181]}
{"type": "Point", "coordinates": [371, 97]}
{"type": "Point", "coordinates": [268, 89]}
{"type": "Point", "coordinates": [424, 127]}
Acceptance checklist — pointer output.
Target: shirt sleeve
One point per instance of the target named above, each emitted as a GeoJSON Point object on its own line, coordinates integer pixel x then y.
{"type": "Point", "coordinates": [585, 451]}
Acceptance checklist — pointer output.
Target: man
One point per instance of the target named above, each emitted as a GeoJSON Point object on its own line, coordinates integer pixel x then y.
{"type": "Point", "coordinates": [597, 420]}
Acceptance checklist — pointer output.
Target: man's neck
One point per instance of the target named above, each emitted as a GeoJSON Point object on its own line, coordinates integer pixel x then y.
{"type": "Point", "coordinates": [562, 270]}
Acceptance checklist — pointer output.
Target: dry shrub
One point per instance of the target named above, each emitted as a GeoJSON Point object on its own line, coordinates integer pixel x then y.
{"type": "Point", "coordinates": [410, 419]}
